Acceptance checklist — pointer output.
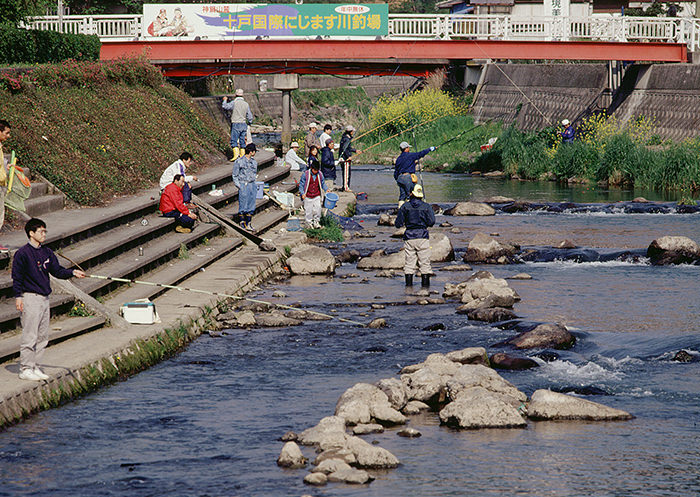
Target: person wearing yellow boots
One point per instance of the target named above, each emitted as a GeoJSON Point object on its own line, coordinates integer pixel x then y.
{"type": "Point", "coordinates": [241, 116]}
{"type": "Point", "coordinates": [405, 169]}
{"type": "Point", "coordinates": [417, 216]}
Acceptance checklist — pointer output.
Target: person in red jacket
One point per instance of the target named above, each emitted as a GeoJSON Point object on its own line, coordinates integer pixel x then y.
{"type": "Point", "coordinates": [172, 205]}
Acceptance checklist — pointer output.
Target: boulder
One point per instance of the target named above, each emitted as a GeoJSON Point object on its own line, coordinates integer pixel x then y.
{"type": "Point", "coordinates": [329, 424]}
{"type": "Point", "coordinates": [441, 249]}
{"type": "Point", "coordinates": [351, 255]}
{"type": "Point", "coordinates": [350, 475]}
{"type": "Point", "coordinates": [409, 433]}
{"type": "Point", "coordinates": [370, 456]}
{"type": "Point", "coordinates": [470, 355]}
{"type": "Point", "coordinates": [301, 314]}
{"type": "Point", "coordinates": [565, 244]}
{"type": "Point", "coordinates": [245, 319]}
{"type": "Point", "coordinates": [415, 407]}
{"type": "Point", "coordinates": [502, 360]}
{"type": "Point", "coordinates": [310, 259]}
{"type": "Point", "coordinates": [275, 320]}
{"type": "Point", "coordinates": [316, 479]}
{"type": "Point", "coordinates": [363, 402]}
{"type": "Point", "coordinates": [456, 267]}
{"type": "Point", "coordinates": [683, 356]}
{"type": "Point", "coordinates": [381, 261]}
{"type": "Point", "coordinates": [483, 248]}
{"type": "Point", "coordinates": [545, 335]}
{"type": "Point", "coordinates": [366, 429]}
{"type": "Point", "coordinates": [471, 209]}
{"type": "Point", "coordinates": [395, 391]}
{"type": "Point", "coordinates": [328, 466]}
{"type": "Point", "coordinates": [476, 375]}
{"type": "Point", "coordinates": [385, 273]}
{"type": "Point", "coordinates": [477, 407]}
{"type": "Point", "coordinates": [438, 362]}
{"type": "Point", "coordinates": [399, 233]}
{"type": "Point", "coordinates": [499, 199]}
{"type": "Point", "coordinates": [427, 384]}
{"type": "Point", "coordinates": [290, 436]}
{"type": "Point", "coordinates": [521, 276]}
{"type": "Point", "coordinates": [291, 456]}
{"type": "Point", "coordinates": [491, 314]}
{"type": "Point", "coordinates": [332, 440]}
{"type": "Point", "coordinates": [343, 454]}
{"type": "Point", "coordinates": [673, 250]}
{"type": "Point", "coordinates": [495, 289]}
{"type": "Point", "coordinates": [386, 220]}
{"type": "Point", "coordinates": [377, 323]}
{"type": "Point", "coordinates": [548, 405]}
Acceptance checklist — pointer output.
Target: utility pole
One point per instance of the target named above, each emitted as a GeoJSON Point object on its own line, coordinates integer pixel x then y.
{"type": "Point", "coordinates": [59, 11]}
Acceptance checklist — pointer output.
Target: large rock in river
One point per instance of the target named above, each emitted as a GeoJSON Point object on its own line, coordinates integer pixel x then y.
{"type": "Point", "coordinates": [291, 456]}
{"type": "Point", "coordinates": [309, 259]}
{"type": "Point", "coordinates": [476, 375]}
{"type": "Point", "coordinates": [477, 407]}
{"type": "Point", "coordinates": [546, 404]}
{"type": "Point", "coordinates": [673, 250]}
{"type": "Point", "coordinates": [545, 335]}
{"type": "Point", "coordinates": [364, 402]}
{"type": "Point", "coordinates": [483, 248]}
{"type": "Point", "coordinates": [329, 424]}
{"type": "Point", "coordinates": [471, 209]}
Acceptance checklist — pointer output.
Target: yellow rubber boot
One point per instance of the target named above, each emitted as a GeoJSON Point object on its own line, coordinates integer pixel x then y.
{"type": "Point", "coordinates": [235, 154]}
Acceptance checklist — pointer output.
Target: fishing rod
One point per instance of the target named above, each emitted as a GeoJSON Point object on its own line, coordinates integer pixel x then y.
{"type": "Point", "coordinates": [381, 125]}
{"type": "Point", "coordinates": [400, 133]}
{"type": "Point", "coordinates": [218, 294]}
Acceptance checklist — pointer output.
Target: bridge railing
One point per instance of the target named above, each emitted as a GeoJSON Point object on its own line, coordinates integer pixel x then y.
{"type": "Point", "coordinates": [446, 27]}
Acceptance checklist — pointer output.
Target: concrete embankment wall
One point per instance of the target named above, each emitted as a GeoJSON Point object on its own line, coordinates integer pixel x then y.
{"type": "Point", "coordinates": [668, 93]}
{"type": "Point", "coordinates": [556, 91]}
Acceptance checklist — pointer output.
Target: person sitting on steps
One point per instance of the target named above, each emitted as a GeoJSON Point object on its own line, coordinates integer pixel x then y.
{"type": "Point", "coordinates": [417, 216]}
{"type": "Point", "coordinates": [172, 205]}
{"type": "Point", "coordinates": [179, 167]}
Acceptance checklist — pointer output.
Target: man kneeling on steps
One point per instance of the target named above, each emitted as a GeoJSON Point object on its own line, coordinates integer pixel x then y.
{"type": "Point", "coordinates": [417, 216]}
{"type": "Point", "coordinates": [172, 205]}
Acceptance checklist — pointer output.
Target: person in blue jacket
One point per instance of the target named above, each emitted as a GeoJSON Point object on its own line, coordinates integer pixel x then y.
{"type": "Point", "coordinates": [328, 163]}
{"type": "Point", "coordinates": [417, 216]}
{"type": "Point", "coordinates": [404, 167]}
{"type": "Point", "coordinates": [567, 136]}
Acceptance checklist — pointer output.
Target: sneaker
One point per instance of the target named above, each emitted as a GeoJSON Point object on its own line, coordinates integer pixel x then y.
{"type": "Point", "coordinates": [40, 374]}
{"type": "Point", "coordinates": [4, 250]}
{"type": "Point", "coordinates": [244, 225]}
{"type": "Point", "coordinates": [28, 374]}
{"type": "Point", "coordinates": [182, 229]}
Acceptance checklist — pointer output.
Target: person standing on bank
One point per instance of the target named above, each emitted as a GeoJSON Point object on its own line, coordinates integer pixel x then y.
{"type": "Point", "coordinates": [172, 205]}
{"type": "Point", "coordinates": [312, 188]}
{"type": "Point", "coordinates": [179, 167]}
{"type": "Point", "coordinates": [345, 155]}
{"type": "Point", "coordinates": [405, 170]}
{"type": "Point", "coordinates": [417, 216]}
{"type": "Point", "coordinates": [567, 136]}
{"type": "Point", "coordinates": [241, 116]}
{"type": "Point", "coordinates": [311, 139]}
{"type": "Point", "coordinates": [245, 170]}
{"type": "Point", "coordinates": [328, 163]}
{"type": "Point", "coordinates": [31, 267]}
{"type": "Point", "coordinates": [327, 130]}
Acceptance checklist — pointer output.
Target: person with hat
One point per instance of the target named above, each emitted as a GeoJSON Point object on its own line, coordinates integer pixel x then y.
{"type": "Point", "coordinates": [328, 163]}
{"type": "Point", "coordinates": [241, 116]}
{"type": "Point", "coordinates": [345, 155]}
{"type": "Point", "coordinates": [311, 139]}
{"type": "Point", "coordinates": [417, 216]}
{"type": "Point", "coordinates": [291, 158]}
{"type": "Point", "coordinates": [312, 188]}
{"type": "Point", "coordinates": [567, 136]}
{"type": "Point", "coordinates": [244, 171]}
{"type": "Point", "coordinates": [405, 170]}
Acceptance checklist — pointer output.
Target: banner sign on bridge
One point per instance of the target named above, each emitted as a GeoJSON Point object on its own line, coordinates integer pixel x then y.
{"type": "Point", "coordinates": [215, 21]}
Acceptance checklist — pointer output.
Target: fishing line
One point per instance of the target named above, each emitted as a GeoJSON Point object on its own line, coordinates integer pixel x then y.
{"type": "Point", "coordinates": [217, 294]}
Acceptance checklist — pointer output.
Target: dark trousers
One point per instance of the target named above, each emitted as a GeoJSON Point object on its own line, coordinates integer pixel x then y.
{"type": "Point", "coordinates": [186, 194]}
{"type": "Point", "coordinates": [180, 218]}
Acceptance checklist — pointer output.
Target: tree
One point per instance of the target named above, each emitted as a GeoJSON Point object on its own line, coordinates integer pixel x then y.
{"type": "Point", "coordinates": [14, 11]}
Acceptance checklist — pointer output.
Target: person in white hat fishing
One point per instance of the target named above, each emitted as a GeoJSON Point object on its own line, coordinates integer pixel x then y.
{"type": "Point", "coordinates": [567, 136]}
{"type": "Point", "coordinates": [405, 170]}
{"type": "Point", "coordinates": [291, 158]}
{"type": "Point", "coordinates": [417, 216]}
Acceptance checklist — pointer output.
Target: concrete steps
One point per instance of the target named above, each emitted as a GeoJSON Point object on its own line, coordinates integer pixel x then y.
{"type": "Point", "coordinates": [105, 241]}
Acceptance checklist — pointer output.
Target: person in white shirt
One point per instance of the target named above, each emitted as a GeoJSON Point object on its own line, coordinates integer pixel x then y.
{"type": "Point", "coordinates": [327, 129]}
{"type": "Point", "coordinates": [180, 167]}
{"type": "Point", "coordinates": [293, 160]}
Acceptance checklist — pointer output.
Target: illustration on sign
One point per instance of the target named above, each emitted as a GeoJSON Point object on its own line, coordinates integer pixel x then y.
{"type": "Point", "coordinates": [227, 20]}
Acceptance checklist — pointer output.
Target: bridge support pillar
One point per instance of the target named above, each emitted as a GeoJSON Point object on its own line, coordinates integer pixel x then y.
{"type": "Point", "coordinates": [286, 83]}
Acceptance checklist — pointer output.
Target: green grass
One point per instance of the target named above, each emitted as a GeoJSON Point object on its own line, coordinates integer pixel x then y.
{"type": "Point", "coordinates": [346, 96]}
{"type": "Point", "coordinates": [330, 231]}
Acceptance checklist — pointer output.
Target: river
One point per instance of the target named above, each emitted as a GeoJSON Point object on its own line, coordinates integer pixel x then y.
{"type": "Point", "coordinates": [206, 422]}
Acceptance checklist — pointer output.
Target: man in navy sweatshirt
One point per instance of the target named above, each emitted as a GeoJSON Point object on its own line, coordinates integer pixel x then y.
{"type": "Point", "coordinates": [405, 167]}
{"type": "Point", "coordinates": [31, 267]}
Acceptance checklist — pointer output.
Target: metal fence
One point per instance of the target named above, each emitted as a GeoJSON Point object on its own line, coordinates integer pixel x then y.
{"type": "Point", "coordinates": [446, 27]}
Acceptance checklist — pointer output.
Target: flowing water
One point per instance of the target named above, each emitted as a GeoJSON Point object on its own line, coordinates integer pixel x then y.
{"type": "Point", "coordinates": [206, 422]}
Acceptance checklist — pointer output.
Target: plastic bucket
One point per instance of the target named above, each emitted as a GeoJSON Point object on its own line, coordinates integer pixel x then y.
{"type": "Point", "coordinates": [293, 224]}
{"type": "Point", "coordinates": [260, 189]}
{"type": "Point", "coordinates": [331, 200]}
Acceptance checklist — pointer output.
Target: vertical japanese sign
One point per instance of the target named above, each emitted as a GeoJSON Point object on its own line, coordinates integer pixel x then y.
{"type": "Point", "coordinates": [556, 8]}
{"type": "Point", "coordinates": [230, 20]}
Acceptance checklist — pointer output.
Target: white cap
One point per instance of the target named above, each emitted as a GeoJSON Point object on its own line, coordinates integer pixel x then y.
{"type": "Point", "coordinates": [403, 145]}
{"type": "Point", "coordinates": [294, 144]}
{"type": "Point", "coordinates": [349, 127]}
{"type": "Point", "coordinates": [313, 125]}
{"type": "Point", "coordinates": [239, 92]}
{"type": "Point", "coordinates": [565, 122]}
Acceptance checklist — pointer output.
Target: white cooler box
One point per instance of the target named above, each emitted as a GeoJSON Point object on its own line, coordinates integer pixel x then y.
{"type": "Point", "coordinates": [140, 312]}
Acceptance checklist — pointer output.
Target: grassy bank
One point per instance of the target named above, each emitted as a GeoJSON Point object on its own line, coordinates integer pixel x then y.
{"type": "Point", "coordinates": [98, 130]}
{"type": "Point", "coordinates": [605, 151]}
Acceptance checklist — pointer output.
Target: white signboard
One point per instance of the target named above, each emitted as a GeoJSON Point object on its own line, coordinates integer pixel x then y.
{"type": "Point", "coordinates": [556, 8]}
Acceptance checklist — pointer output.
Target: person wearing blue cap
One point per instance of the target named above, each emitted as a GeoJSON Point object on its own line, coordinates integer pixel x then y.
{"type": "Point", "coordinates": [405, 170]}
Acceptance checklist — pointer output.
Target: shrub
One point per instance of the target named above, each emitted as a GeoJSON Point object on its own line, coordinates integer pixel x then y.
{"type": "Point", "coordinates": [31, 46]}
{"type": "Point", "coordinates": [575, 159]}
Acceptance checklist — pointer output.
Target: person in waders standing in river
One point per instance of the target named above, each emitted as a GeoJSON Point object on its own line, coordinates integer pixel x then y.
{"type": "Point", "coordinates": [405, 170]}
{"type": "Point", "coordinates": [417, 216]}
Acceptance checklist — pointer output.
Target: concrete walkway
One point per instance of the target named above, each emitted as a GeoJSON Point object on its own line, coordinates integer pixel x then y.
{"type": "Point", "coordinates": [67, 361]}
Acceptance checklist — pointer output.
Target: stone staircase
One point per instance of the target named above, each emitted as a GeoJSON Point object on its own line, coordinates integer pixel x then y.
{"type": "Point", "coordinates": [106, 241]}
